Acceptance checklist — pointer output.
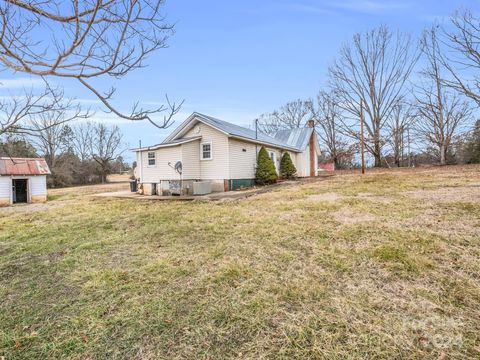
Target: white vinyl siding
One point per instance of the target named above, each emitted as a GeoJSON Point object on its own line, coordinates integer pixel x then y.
{"type": "Point", "coordinates": [162, 170]}
{"type": "Point", "coordinates": [277, 155]}
{"type": "Point", "coordinates": [5, 187]}
{"type": "Point", "coordinates": [303, 160]}
{"type": "Point", "coordinates": [38, 185]}
{"type": "Point", "coordinates": [217, 168]}
{"type": "Point", "coordinates": [242, 163]}
{"type": "Point", "coordinates": [190, 160]}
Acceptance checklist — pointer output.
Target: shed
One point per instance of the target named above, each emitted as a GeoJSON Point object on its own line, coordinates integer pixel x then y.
{"type": "Point", "coordinates": [23, 180]}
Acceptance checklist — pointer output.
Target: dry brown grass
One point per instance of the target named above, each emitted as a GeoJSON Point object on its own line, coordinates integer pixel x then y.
{"type": "Point", "coordinates": [350, 267]}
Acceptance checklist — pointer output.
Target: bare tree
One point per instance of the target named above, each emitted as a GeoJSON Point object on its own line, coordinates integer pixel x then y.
{"type": "Point", "coordinates": [372, 69]}
{"type": "Point", "coordinates": [401, 119]}
{"type": "Point", "coordinates": [81, 139]}
{"type": "Point", "coordinates": [106, 145]}
{"type": "Point", "coordinates": [85, 40]}
{"type": "Point", "coordinates": [463, 59]}
{"type": "Point", "coordinates": [17, 111]}
{"type": "Point", "coordinates": [327, 115]}
{"type": "Point", "coordinates": [440, 110]}
{"type": "Point", "coordinates": [49, 134]}
{"type": "Point", "coordinates": [292, 115]}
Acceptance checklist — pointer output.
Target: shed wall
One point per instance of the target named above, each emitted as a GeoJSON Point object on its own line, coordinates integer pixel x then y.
{"type": "Point", "coordinates": [5, 190]}
{"type": "Point", "coordinates": [38, 188]}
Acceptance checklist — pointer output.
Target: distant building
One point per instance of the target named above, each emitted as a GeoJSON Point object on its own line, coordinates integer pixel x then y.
{"type": "Point", "coordinates": [210, 154]}
{"type": "Point", "coordinates": [23, 180]}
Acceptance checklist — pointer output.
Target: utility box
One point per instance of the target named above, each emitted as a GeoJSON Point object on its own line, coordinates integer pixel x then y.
{"type": "Point", "coordinates": [202, 187]}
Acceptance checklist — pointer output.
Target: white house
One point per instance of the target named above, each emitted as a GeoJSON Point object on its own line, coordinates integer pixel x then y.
{"type": "Point", "coordinates": [206, 154]}
{"type": "Point", "coordinates": [23, 180]}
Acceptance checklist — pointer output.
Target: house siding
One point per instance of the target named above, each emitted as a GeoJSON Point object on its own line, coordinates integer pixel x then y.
{"type": "Point", "coordinates": [191, 160]}
{"type": "Point", "coordinates": [242, 163]}
{"type": "Point", "coordinates": [303, 163]}
{"type": "Point", "coordinates": [161, 170]}
{"type": "Point", "coordinates": [217, 168]}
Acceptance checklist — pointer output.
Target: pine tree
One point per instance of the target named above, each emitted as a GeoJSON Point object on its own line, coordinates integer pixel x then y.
{"type": "Point", "coordinates": [266, 173]}
{"type": "Point", "coordinates": [287, 169]}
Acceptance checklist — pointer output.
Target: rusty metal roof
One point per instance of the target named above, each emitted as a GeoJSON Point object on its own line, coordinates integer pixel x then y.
{"type": "Point", "coordinates": [23, 166]}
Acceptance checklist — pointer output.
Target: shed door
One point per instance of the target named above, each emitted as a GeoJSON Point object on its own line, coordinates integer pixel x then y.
{"type": "Point", "coordinates": [19, 190]}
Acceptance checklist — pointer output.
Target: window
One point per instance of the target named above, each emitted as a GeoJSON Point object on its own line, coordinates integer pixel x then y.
{"type": "Point", "coordinates": [272, 156]}
{"type": "Point", "coordinates": [206, 151]}
{"type": "Point", "coordinates": [151, 159]}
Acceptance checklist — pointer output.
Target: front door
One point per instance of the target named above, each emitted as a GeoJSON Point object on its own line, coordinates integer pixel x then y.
{"type": "Point", "coordinates": [19, 187]}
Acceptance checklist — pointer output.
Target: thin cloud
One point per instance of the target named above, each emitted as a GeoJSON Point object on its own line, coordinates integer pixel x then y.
{"type": "Point", "coordinates": [20, 83]}
{"type": "Point", "coordinates": [356, 6]}
{"type": "Point", "coordinates": [373, 6]}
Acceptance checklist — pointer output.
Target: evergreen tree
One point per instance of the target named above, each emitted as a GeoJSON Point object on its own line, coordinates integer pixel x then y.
{"type": "Point", "coordinates": [266, 173]}
{"type": "Point", "coordinates": [475, 144]}
{"type": "Point", "coordinates": [287, 169]}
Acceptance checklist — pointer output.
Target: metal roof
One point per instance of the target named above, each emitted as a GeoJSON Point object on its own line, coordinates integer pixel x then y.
{"type": "Point", "coordinates": [302, 136]}
{"type": "Point", "coordinates": [23, 166]}
{"type": "Point", "coordinates": [168, 144]}
{"type": "Point", "coordinates": [297, 138]}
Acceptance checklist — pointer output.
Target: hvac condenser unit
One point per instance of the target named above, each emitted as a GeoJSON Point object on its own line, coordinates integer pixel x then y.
{"type": "Point", "coordinates": [202, 187]}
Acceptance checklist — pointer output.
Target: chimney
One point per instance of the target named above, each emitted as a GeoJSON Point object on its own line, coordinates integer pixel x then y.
{"type": "Point", "coordinates": [311, 123]}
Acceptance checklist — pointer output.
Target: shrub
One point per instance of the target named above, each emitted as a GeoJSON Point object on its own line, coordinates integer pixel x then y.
{"type": "Point", "coordinates": [266, 173]}
{"type": "Point", "coordinates": [287, 169]}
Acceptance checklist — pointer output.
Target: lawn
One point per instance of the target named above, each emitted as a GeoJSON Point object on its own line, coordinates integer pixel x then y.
{"type": "Point", "coordinates": [385, 265]}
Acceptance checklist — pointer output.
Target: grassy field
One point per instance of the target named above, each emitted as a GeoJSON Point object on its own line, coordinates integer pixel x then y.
{"type": "Point", "coordinates": [381, 266]}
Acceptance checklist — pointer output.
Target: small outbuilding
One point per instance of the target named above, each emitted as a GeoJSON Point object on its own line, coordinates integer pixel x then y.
{"type": "Point", "coordinates": [23, 180]}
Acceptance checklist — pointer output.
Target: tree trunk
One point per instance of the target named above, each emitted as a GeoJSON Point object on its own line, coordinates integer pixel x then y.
{"type": "Point", "coordinates": [335, 161]}
{"type": "Point", "coordinates": [443, 151]}
{"type": "Point", "coordinates": [377, 154]}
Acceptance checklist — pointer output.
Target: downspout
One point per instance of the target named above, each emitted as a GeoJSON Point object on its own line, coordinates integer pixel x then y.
{"type": "Point", "coordinates": [140, 161]}
{"type": "Point", "coordinates": [256, 138]}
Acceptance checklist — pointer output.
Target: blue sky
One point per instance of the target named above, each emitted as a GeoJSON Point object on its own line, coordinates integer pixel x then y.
{"type": "Point", "coordinates": [238, 59]}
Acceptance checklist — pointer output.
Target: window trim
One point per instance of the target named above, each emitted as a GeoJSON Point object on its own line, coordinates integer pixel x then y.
{"type": "Point", "coordinates": [201, 151]}
{"type": "Point", "coordinates": [154, 158]}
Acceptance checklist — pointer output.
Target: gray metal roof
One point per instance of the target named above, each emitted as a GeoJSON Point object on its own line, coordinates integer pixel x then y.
{"type": "Point", "coordinates": [240, 131]}
{"type": "Point", "coordinates": [297, 138]}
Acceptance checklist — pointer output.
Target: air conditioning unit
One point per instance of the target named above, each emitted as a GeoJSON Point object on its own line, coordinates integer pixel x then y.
{"type": "Point", "coordinates": [202, 187]}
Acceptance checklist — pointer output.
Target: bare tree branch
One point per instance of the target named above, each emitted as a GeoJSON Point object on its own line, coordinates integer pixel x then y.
{"type": "Point", "coordinates": [327, 115]}
{"type": "Point", "coordinates": [463, 59]}
{"type": "Point", "coordinates": [374, 69]}
{"type": "Point", "coordinates": [18, 111]}
{"type": "Point", "coordinates": [292, 115]}
{"type": "Point", "coordinates": [440, 110]}
{"type": "Point", "coordinates": [86, 40]}
{"type": "Point", "coordinates": [106, 144]}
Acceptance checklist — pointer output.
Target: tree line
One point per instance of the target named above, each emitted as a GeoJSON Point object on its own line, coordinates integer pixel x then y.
{"type": "Point", "coordinates": [419, 98]}
{"type": "Point", "coordinates": [77, 154]}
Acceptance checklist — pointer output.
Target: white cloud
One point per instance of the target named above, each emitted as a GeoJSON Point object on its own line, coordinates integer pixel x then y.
{"type": "Point", "coordinates": [19, 83]}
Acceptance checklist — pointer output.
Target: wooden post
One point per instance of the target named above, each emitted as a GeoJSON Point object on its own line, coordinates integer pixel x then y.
{"type": "Point", "coordinates": [361, 136]}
